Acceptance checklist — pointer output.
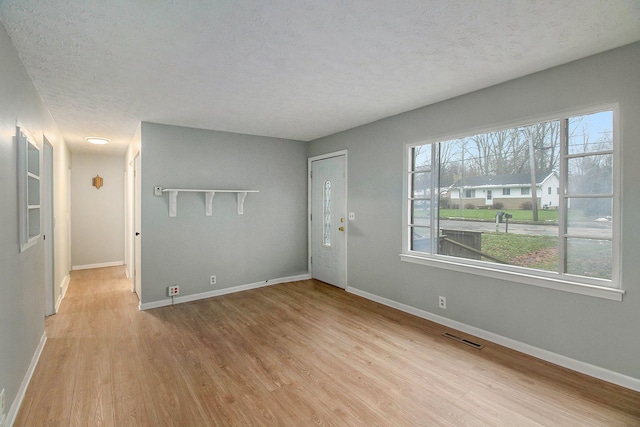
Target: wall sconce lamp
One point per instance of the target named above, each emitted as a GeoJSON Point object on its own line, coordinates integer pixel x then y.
{"type": "Point", "coordinates": [97, 181]}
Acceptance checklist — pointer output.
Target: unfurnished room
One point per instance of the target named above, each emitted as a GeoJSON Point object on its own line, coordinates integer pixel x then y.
{"type": "Point", "coordinates": [294, 213]}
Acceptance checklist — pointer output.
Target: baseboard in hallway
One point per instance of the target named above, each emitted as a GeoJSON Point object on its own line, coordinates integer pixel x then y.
{"type": "Point", "coordinates": [99, 265]}
{"type": "Point", "coordinates": [63, 290]}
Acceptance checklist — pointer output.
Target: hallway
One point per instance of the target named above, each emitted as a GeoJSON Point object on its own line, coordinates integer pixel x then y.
{"type": "Point", "coordinates": [86, 354]}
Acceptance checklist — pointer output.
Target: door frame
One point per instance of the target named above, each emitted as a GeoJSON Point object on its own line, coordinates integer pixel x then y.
{"type": "Point", "coordinates": [48, 227]}
{"type": "Point", "coordinates": [137, 227]}
{"type": "Point", "coordinates": [310, 161]}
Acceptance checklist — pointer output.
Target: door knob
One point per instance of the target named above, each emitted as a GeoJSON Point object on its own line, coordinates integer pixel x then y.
{"type": "Point", "coordinates": [341, 228]}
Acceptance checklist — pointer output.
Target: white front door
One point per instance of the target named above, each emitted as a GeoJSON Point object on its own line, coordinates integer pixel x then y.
{"type": "Point", "coordinates": [137, 225]}
{"type": "Point", "coordinates": [328, 221]}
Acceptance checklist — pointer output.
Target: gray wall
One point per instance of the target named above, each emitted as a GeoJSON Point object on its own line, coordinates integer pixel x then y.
{"type": "Point", "coordinates": [269, 241]}
{"type": "Point", "coordinates": [600, 332]}
{"type": "Point", "coordinates": [22, 274]}
{"type": "Point", "coordinates": [97, 215]}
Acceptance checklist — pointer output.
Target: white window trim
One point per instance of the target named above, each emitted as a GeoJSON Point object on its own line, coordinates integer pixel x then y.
{"type": "Point", "coordinates": [527, 276]}
{"type": "Point", "coordinates": [24, 139]}
{"type": "Point", "coordinates": [599, 288]}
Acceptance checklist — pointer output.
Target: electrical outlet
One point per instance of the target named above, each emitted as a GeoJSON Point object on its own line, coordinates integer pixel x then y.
{"type": "Point", "coordinates": [212, 280]}
{"type": "Point", "coordinates": [442, 302]}
{"type": "Point", "coordinates": [157, 191]}
{"type": "Point", "coordinates": [174, 290]}
{"type": "Point", "coordinates": [352, 216]}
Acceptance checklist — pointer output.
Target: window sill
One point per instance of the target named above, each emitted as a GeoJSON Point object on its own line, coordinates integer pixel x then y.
{"type": "Point", "coordinates": [519, 277]}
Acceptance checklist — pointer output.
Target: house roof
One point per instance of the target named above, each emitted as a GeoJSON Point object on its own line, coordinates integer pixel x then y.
{"type": "Point", "coordinates": [512, 180]}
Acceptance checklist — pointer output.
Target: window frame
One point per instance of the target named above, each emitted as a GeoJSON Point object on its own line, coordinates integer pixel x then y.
{"type": "Point", "coordinates": [601, 288]}
{"type": "Point", "coordinates": [326, 214]}
{"type": "Point", "coordinates": [29, 188]}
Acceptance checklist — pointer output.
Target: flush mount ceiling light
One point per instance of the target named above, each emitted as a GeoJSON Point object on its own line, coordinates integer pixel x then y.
{"type": "Point", "coordinates": [96, 140]}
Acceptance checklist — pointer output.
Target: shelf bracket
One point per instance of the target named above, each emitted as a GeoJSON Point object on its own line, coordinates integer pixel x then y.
{"type": "Point", "coordinates": [209, 202]}
{"type": "Point", "coordinates": [208, 194]}
{"type": "Point", "coordinates": [241, 196]}
{"type": "Point", "coordinates": [173, 203]}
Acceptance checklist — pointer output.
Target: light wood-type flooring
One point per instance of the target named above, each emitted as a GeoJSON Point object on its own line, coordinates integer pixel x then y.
{"type": "Point", "coordinates": [293, 354]}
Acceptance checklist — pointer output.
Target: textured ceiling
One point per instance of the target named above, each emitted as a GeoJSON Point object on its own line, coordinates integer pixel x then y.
{"type": "Point", "coordinates": [297, 69]}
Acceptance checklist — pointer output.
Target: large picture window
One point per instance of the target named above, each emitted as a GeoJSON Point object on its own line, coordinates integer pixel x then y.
{"type": "Point", "coordinates": [461, 210]}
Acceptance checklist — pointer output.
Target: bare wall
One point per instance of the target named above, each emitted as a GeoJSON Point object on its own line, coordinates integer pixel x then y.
{"type": "Point", "coordinates": [599, 332]}
{"type": "Point", "coordinates": [22, 274]}
{"type": "Point", "coordinates": [97, 215]}
{"type": "Point", "coordinates": [267, 242]}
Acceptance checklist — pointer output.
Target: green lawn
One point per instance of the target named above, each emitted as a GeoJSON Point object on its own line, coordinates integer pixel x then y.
{"type": "Point", "coordinates": [587, 258]}
{"type": "Point", "coordinates": [490, 214]}
{"type": "Point", "coordinates": [523, 249]}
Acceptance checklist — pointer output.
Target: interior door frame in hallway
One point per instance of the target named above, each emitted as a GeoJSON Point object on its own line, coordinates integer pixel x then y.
{"type": "Point", "coordinates": [48, 221]}
{"type": "Point", "coordinates": [339, 220]}
{"type": "Point", "coordinates": [137, 226]}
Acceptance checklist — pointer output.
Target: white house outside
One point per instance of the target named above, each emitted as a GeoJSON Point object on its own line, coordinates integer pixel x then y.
{"type": "Point", "coordinates": [509, 190]}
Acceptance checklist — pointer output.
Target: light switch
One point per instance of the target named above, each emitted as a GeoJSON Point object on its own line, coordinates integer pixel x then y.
{"type": "Point", "coordinates": [157, 191]}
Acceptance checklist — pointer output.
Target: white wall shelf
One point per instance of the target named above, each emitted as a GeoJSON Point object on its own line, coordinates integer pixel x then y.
{"type": "Point", "coordinates": [209, 194]}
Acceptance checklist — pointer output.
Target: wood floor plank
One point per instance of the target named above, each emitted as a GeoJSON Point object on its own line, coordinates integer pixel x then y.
{"type": "Point", "coordinates": [93, 397]}
{"type": "Point", "coordinates": [301, 353]}
{"type": "Point", "coordinates": [57, 370]}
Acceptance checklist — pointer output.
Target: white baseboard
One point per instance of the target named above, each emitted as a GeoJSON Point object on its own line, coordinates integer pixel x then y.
{"type": "Point", "coordinates": [63, 290]}
{"type": "Point", "coordinates": [566, 362]}
{"type": "Point", "coordinates": [225, 291]}
{"type": "Point", "coordinates": [100, 265]}
{"type": "Point", "coordinates": [17, 402]}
